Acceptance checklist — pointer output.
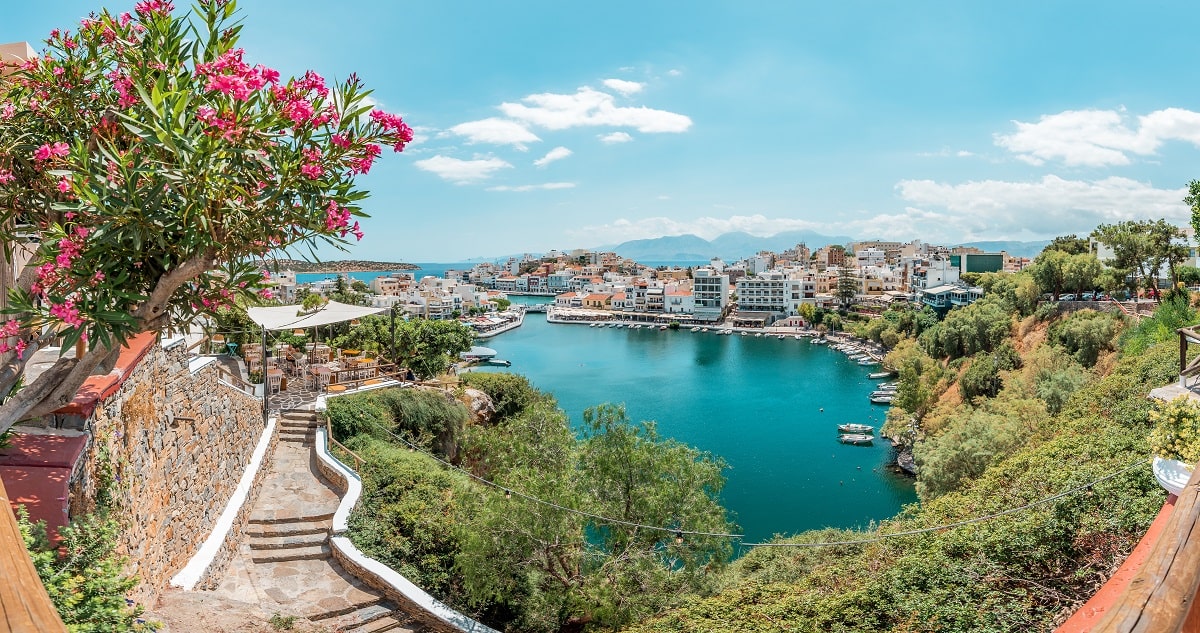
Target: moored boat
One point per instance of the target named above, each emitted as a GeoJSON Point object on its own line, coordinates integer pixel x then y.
{"type": "Point", "coordinates": [868, 361]}
{"type": "Point", "coordinates": [885, 398]}
{"type": "Point", "coordinates": [696, 329]}
{"type": "Point", "coordinates": [864, 429]}
{"type": "Point", "coordinates": [855, 438]}
{"type": "Point", "coordinates": [880, 374]}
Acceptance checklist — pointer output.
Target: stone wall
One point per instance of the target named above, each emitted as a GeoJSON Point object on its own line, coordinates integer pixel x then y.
{"type": "Point", "coordinates": [174, 443]}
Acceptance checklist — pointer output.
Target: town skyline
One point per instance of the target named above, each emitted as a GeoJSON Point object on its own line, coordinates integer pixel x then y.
{"type": "Point", "coordinates": [541, 125]}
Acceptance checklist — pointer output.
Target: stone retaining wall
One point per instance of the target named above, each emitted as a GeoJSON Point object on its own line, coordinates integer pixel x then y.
{"type": "Point", "coordinates": [174, 445]}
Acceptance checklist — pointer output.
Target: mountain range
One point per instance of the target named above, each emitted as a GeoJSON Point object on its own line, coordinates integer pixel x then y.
{"type": "Point", "coordinates": [735, 246]}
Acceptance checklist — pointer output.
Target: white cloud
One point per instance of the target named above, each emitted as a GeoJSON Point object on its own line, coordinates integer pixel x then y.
{"type": "Point", "coordinates": [962, 153]}
{"type": "Point", "coordinates": [1097, 138]}
{"type": "Point", "coordinates": [496, 131]}
{"type": "Point", "coordinates": [943, 213]}
{"type": "Point", "coordinates": [461, 172]}
{"type": "Point", "coordinates": [946, 152]}
{"type": "Point", "coordinates": [541, 187]}
{"type": "Point", "coordinates": [626, 88]}
{"type": "Point", "coordinates": [557, 153]}
{"type": "Point", "coordinates": [993, 209]}
{"type": "Point", "coordinates": [614, 137]}
{"type": "Point", "coordinates": [662, 197]}
{"type": "Point", "coordinates": [588, 107]}
{"type": "Point", "coordinates": [674, 72]}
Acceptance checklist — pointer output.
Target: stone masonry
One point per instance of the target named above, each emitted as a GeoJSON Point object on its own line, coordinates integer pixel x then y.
{"type": "Point", "coordinates": [174, 444]}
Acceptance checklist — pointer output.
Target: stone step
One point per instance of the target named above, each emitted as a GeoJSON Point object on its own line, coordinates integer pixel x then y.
{"type": "Point", "coordinates": [390, 623]}
{"type": "Point", "coordinates": [298, 415]}
{"type": "Point", "coordinates": [297, 439]}
{"type": "Point", "coordinates": [356, 618]}
{"type": "Point", "coordinates": [298, 553]}
{"type": "Point", "coordinates": [298, 424]}
{"type": "Point", "coordinates": [296, 431]}
{"type": "Point", "coordinates": [285, 520]}
{"type": "Point", "coordinates": [358, 601]}
{"type": "Point", "coordinates": [267, 530]}
{"type": "Point", "coordinates": [293, 541]}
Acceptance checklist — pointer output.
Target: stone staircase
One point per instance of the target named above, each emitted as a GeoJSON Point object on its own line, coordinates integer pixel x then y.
{"type": "Point", "coordinates": [285, 565]}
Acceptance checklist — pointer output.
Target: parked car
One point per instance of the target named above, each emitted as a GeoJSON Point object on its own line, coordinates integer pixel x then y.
{"type": "Point", "coordinates": [1070, 296]}
{"type": "Point", "coordinates": [1087, 296]}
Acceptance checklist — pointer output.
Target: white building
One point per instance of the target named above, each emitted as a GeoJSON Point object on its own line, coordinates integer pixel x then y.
{"type": "Point", "coordinates": [710, 294]}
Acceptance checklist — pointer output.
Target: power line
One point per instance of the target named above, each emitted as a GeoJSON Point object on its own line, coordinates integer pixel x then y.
{"type": "Point", "coordinates": [678, 532]}
{"type": "Point", "coordinates": [947, 526]}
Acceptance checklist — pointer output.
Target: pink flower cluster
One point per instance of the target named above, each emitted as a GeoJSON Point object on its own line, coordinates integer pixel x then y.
{"type": "Point", "coordinates": [296, 101]}
{"type": "Point", "coordinates": [67, 313]}
{"type": "Point", "coordinates": [228, 74]}
{"type": "Point", "coordinates": [48, 151]}
{"type": "Point", "coordinates": [6, 177]}
{"type": "Point", "coordinates": [7, 111]}
{"type": "Point", "coordinates": [312, 163]}
{"type": "Point", "coordinates": [10, 329]}
{"type": "Point", "coordinates": [393, 124]}
{"type": "Point", "coordinates": [224, 122]}
{"type": "Point", "coordinates": [146, 7]}
{"type": "Point", "coordinates": [337, 218]}
{"type": "Point", "coordinates": [362, 164]}
{"type": "Point", "coordinates": [124, 87]}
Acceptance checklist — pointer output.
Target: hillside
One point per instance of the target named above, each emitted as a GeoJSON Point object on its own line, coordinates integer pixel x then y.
{"type": "Point", "coordinates": [998, 430]}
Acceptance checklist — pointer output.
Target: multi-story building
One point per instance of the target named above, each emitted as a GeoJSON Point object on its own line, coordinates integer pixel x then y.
{"type": "Point", "coordinates": [867, 257]}
{"type": "Point", "coordinates": [710, 294]}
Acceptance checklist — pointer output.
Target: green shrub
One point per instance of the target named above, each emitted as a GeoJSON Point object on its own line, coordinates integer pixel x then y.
{"type": "Point", "coordinates": [1085, 334]}
{"type": "Point", "coordinates": [510, 393]}
{"type": "Point", "coordinates": [1176, 432]}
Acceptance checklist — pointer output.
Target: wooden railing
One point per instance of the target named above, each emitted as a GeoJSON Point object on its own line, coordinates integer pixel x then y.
{"type": "Point", "coordinates": [24, 605]}
{"type": "Point", "coordinates": [1161, 598]}
{"type": "Point", "coordinates": [234, 380]}
{"type": "Point", "coordinates": [358, 461]}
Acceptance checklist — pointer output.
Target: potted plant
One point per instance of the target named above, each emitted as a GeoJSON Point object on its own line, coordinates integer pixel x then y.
{"type": "Point", "coordinates": [1175, 442]}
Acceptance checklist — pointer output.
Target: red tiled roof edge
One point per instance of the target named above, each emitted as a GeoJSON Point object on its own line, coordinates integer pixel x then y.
{"type": "Point", "coordinates": [97, 388]}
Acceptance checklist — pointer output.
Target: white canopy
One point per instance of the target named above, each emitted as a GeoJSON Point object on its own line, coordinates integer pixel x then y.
{"type": "Point", "coordinates": [289, 317]}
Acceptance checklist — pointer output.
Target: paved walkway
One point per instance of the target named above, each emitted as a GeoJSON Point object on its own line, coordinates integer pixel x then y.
{"type": "Point", "coordinates": [285, 565]}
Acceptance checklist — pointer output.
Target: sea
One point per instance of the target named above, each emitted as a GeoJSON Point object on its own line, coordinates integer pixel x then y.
{"type": "Point", "coordinates": [768, 407]}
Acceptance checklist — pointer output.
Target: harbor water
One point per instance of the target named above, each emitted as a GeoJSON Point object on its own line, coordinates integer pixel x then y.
{"type": "Point", "coordinates": [768, 407]}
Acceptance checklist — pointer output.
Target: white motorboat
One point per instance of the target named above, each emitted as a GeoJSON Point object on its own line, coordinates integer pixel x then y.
{"type": "Point", "coordinates": [863, 429]}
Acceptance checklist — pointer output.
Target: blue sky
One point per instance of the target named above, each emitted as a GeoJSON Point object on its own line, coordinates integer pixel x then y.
{"type": "Point", "coordinates": [557, 125]}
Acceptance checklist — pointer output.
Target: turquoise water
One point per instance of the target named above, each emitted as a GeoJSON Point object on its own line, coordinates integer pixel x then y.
{"type": "Point", "coordinates": [424, 270]}
{"type": "Point", "coordinates": [769, 407]}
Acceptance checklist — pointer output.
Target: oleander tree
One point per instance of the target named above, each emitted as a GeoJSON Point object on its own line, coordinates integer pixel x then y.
{"type": "Point", "coordinates": [149, 169]}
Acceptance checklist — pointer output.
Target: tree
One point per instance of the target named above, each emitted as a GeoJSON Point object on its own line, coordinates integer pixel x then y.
{"type": "Point", "coordinates": [1082, 272]}
{"type": "Point", "coordinates": [1050, 271]}
{"type": "Point", "coordinates": [920, 377]}
{"type": "Point", "coordinates": [848, 286]}
{"type": "Point", "coordinates": [1142, 247]}
{"type": "Point", "coordinates": [429, 347]}
{"type": "Point", "coordinates": [807, 311]}
{"type": "Point", "coordinates": [1069, 244]}
{"type": "Point", "coordinates": [154, 168]}
{"type": "Point", "coordinates": [833, 322]}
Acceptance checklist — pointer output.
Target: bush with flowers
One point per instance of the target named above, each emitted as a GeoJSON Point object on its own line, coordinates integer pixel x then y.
{"type": "Point", "coordinates": [1176, 432]}
{"type": "Point", "coordinates": [149, 169]}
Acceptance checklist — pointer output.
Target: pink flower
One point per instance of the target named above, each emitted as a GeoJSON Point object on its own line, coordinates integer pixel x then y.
{"type": "Point", "coordinates": [20, 347]}
{"type": "Point", "coordinates": [47, 151]}
{"type": "Point", "coordinates": [67, 313]}
{"type": "Point", "coordinates": [311, 171]}
{"type": "Point", "coordinates": [7, 111]}
{"type": "Point", "coordinates": [162, 7]}
{"type": "Point", "coordinates": [340, 141]}
{"type": "Point", "coordinates": [266, 293]}
{"type": "Point", "coordinates": [10, 328]}
{"type": "Point", "coordinates": [6, 177]}
{"type": "Point", "coordinates": [64, 184]}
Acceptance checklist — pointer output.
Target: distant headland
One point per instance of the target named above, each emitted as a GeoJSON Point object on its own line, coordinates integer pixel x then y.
{"type": "Point", "coordinates": [338, 266]}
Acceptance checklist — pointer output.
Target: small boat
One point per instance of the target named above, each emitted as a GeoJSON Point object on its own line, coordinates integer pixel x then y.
{"type": "Point", "coordinates": [696, 329]}
{"type": "Point", "coordinates": [498, 362]}
{"type": "Point", "coordinates": [856, 438]}
{"type": "Point", "coordinates": [819, 341]}
{"type": "Point", "coordinates": [797, 337]}
{"type": "Point", "coordinates": [889, 385]}
{"type": "Point", "coordinates": [864, 429]}
{"type": "Point", "coordinates": [883, 398]}
{"type": "Point", "coordinates": [880, 374]}
{"type": "Point", "coordinates": [703, 329]}
{"type": "Point", "coordinates": [745, 334]}
{"type": "Point", "coordinates": [758, 335]}
{"type": "Point", "coordinates": [662, 328]}
{"type": "Point", "coordinates": [592, 324]}
{"type": "Point", "coordinates": [779, 336]}
{"type": "Point", "coordinates": [868, 362]}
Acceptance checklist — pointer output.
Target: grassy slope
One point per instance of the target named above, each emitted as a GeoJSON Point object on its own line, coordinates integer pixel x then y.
{"type": "Point", "coordinates": [1026, 571]}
